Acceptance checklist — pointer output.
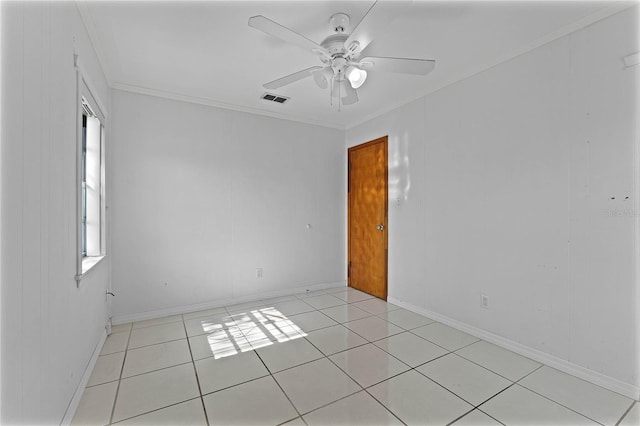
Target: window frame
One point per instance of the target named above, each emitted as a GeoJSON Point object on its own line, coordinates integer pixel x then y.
{"type": "Point", "coordinates": [85, 93]}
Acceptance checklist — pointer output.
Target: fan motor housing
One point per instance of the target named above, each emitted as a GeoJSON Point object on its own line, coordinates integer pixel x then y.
{"type": "Point", "coordinates": [335, 43]}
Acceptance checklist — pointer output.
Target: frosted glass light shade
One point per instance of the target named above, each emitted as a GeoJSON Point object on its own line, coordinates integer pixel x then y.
{"type": "Point", "coordinates": [356, 76]}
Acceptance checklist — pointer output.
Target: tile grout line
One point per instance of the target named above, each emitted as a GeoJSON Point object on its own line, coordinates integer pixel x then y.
{"type": "Point", "coordinates": [271, 374]}
{"type": "Point", "coordinates": [156, 409]}
{"type": "Point", "coordinates": [460, 417]}
{"type": "Point", "coordinates": [476, 406]}
{"type": "Point", "coordinates": [548, 398]}
{"type": "Point", "coordinates": [333, 363]}
{"type": "Point", "coordinates": [308, 362]}
{"type": "Point", "coordinates": [124, 359]}
{"type": "Point", "coordinates": [369, 315]}
{"type": "Point", "coordinates": [325, 356]}
{"type": "Point", "coordinates": [626, 413]}
{"type": "Point", "coordinates": [319, 310]}
{"type": "Point", "coordinates": [465, 346]}
{"type": "Point", "coordinates": [388, 378]}
{"type": "Point", "coordinates": [192, 362]}
{"type": "Point", "coordinates": [513, 383]}
{"type": "Point", "coordinates": [368, 340]}
{"type": "Point", "coordinates": [429, 378]}
{"type": "Point", "coordinates": [356, 382]}
{"type": "Point", "coordinates": [157, 369]}
{"type": "Point", "coordinates": [486, 368]}
{"type": "Point", "coordinates": [446, 349]}
{"type": "Point", "coordinates": [517, 382]}
{"type": "Point", "coordinates": [490, 416]}
{"type": "Point", "coordinates": [236, 384]}
{"type": "Point", "coordinates": [195, 371]}
{"type": "Point", "coordinates": [384, 406]}
{"type": "Point", "coordinates": [130, 331]}
{"type": "Point", "coordinates": [279, 386]}
{"type": "Point", "coordinates": [366, 389]}
{"type": "Point", "coordinates": [295, 418]}
{"type": "Point", "coordinates": [157, 343]}
{"type": "Point", "coordinates": [487, 414]}
{"type": "Point", "coordinates": [333, 402]}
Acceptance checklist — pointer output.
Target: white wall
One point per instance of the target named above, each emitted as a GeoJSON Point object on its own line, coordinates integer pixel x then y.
{"type": "Point", "coordinates": [50, 328]}
{"type": "Point", "coordinates": [203, 196]}
{"type": "Point", "coordinates": [505, 183]}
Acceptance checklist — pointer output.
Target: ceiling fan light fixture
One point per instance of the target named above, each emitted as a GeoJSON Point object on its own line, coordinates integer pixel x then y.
{"type": "Point", "coordinates": [356, 76]}
{"type": "Point", "coordinates": [340, 53]}
{"type": "Point", "coordinates": [320, 80]}
{"type": "Point", "coordinates": [323, 77]}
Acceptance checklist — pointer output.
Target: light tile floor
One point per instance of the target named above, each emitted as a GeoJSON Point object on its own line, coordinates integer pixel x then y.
{"type": "Point", "coordinates": [333, 357]}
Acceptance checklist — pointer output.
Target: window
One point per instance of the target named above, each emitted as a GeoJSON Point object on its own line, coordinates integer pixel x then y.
{"type": "Point", "coordinates": [91, 180]}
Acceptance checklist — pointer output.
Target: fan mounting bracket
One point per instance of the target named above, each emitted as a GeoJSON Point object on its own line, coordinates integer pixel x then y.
{"type": "Point", "coordinates": [339, 22]}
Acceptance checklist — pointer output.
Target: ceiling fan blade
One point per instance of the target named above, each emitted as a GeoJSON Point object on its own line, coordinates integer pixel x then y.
{"type": "Point", "coordinates": [350, 95]}
{"type": "Point", "coordinates": [276, 30]}
{"type": "Point", "coordinates": [291, 78]}
{"type": "Point", "coordinates": [401, 65]}
{"type": "Point", "coordinates": [377, 18]}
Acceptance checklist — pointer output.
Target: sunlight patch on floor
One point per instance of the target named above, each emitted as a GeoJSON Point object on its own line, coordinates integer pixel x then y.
{"type": "Point", "coordinates": [248, 331]}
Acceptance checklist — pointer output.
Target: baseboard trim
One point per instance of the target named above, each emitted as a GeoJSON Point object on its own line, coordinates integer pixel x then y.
{"type": "Point", "coordinates": [607, 382]}
{"type": "Point", "coordinates": [185, 309]}
{"type": "Point", "coordinates": [77, 395]}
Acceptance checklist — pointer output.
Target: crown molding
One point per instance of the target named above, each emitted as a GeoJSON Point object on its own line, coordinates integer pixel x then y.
{"type": "Point", "coordinates": [601, 14]}
{"type": "Point", "coordinates": [614, 8]}
{"type": "Point", "coordinates": [94, 39]}
{"type": "Point", "coordinates": [217, 104]}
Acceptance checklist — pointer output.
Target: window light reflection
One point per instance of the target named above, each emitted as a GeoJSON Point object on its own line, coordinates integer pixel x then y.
{"type": "Point", "coordinates": [247, 331]}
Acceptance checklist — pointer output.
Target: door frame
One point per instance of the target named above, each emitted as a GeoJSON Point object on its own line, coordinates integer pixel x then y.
{"type": "Point", "coordinates": [385, 141]}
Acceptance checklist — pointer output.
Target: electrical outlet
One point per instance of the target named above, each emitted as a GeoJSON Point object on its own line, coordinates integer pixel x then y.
{"type": "Point", "coordinates": [258, 272]}
{"type": "Point", "coordinates": [485, 301]}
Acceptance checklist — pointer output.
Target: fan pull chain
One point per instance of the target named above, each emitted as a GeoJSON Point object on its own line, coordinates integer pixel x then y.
{"type": "Point", "coordinates": [339, 94]}
{"type": "Point", "coordinates": [331, 91]}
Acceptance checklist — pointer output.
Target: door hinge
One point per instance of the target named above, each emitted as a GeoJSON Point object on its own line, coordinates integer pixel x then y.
{"type": "Point", "coordinates": [349, 270]}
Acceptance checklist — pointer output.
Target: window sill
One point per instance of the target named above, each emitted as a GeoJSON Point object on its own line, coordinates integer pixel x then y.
{"type": "Point", "coordinates": [88, 262]}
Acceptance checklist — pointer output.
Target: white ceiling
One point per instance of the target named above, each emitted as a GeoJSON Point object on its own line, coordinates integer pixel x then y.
{"type": "Point", "coordinates": [206, 52]}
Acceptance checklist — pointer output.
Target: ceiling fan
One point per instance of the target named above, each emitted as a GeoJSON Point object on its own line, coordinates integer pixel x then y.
{"type": "Point", "coordinates": [344, 70]}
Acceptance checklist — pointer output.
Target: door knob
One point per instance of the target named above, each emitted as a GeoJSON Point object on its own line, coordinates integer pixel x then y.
{"type": "Point", "coordinates": [380, 227]}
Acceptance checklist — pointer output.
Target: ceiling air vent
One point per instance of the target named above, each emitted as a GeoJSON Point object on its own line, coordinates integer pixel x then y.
{"type": "Point", "coordinates": [274, 98]}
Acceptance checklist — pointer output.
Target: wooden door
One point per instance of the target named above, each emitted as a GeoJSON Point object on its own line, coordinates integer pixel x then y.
{"type": "Point", "coordinates": [367, 217]}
